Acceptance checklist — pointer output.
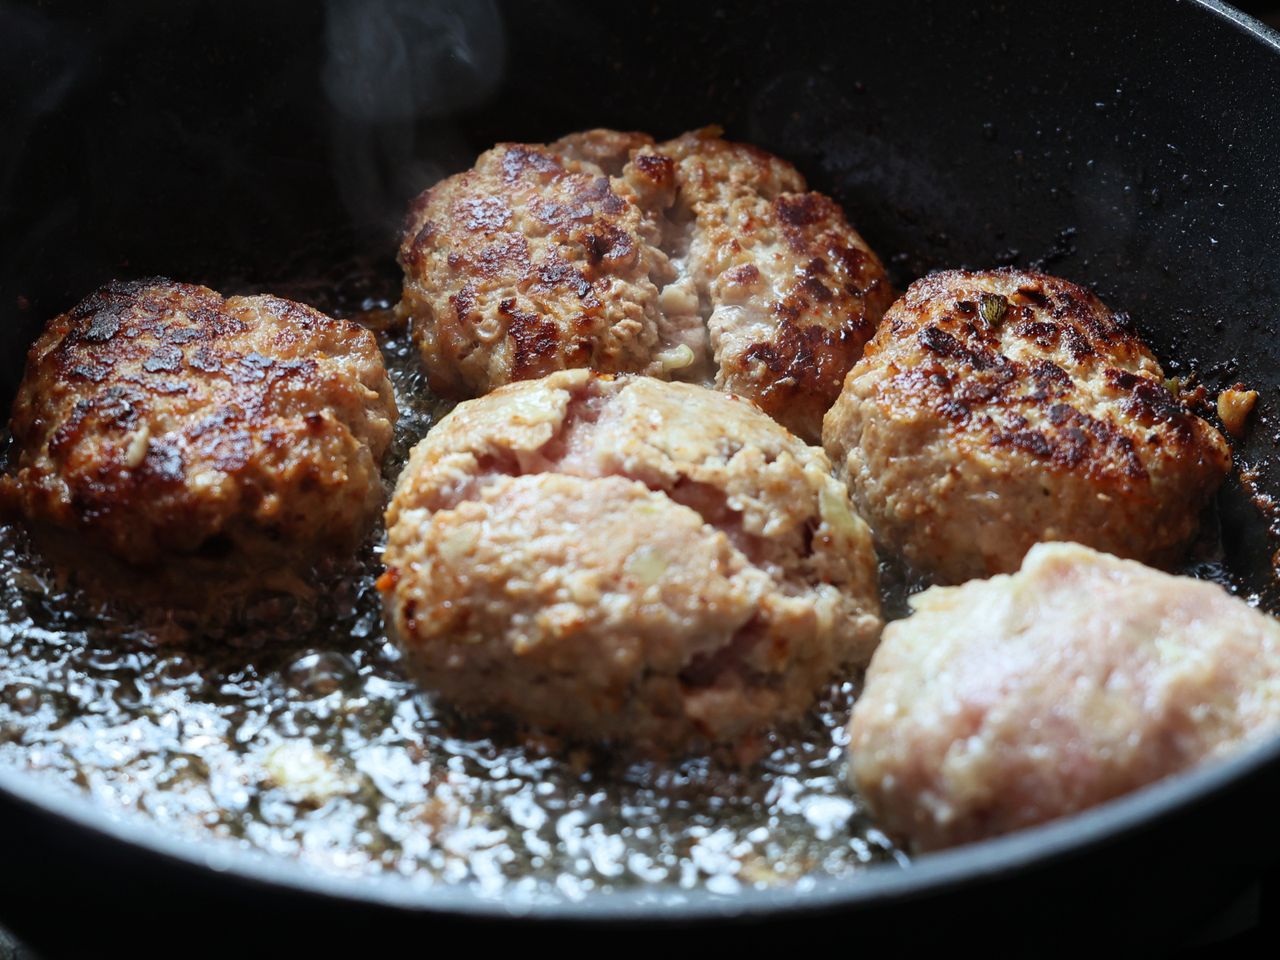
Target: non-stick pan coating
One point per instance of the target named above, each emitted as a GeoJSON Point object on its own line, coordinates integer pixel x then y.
{"type": "Point", "coordinates": [1128, 146]}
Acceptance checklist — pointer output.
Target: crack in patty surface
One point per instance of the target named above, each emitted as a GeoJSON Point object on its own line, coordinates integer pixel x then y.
{"type": "Point", "coordinates": [669, 561]}
{"type": "Point", "coordinates": [696, 259]}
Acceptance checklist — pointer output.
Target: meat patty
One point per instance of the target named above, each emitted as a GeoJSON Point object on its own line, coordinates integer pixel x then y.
{"type": "Point", "coordinates": [158, 421]}
{"type": "Point", "coordinates": [626, 559]}
{"type": "Point", "coordinates": [1007, 702]}
{"type": "Point", "coordinates": [994, 410]}
{"type": "Point", "coordinates": [697, 259]}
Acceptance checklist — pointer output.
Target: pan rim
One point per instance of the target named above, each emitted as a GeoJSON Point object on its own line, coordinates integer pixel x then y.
{"type": "Point", "coordinates": [929, 876]}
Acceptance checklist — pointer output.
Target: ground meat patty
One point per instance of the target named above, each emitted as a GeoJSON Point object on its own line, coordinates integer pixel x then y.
{"type": "Point", "coordinates": [792, 292]}
{"type": "Point", "coordinates": [997, 409]}
{"type": "Point", "coordinates": [157, 420]}
{"type": "Point", "coordinates": [626, 559]}
{"type": "Point", "coordinates": [1011, 701]}
{"type": "Point", "coordinates": [697, 259]}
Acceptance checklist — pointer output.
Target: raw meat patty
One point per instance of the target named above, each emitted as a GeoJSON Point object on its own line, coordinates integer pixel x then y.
{"type": "Point", "coordinates": [626, 559]}
{"type": "Point", "coordinates": [1007, 702]}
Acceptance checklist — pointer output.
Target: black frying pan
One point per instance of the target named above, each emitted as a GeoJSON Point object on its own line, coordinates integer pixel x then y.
{"type": "Point", "coordinates": [1131, 146]}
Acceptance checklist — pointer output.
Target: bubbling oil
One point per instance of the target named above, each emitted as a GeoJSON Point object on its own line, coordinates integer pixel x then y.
{"type": "Point", "coordinates": [293, 730]}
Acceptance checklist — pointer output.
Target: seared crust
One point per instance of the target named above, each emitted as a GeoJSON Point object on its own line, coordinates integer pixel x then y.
{"type": "Point", "coordinates": [694, 259]}
{"type": "Point", "coordinates": [156, 419]}
{"type": "Point", "coordinates": [530, 262]}
{"type": "Point", "coordinates": [1007, 702]}
{"type": "Point", "coordinates": [993, 410]}
{"type": "Point", "coordinates": [795, 292]}
{"type": "Point", "coordinates": [626, 559]}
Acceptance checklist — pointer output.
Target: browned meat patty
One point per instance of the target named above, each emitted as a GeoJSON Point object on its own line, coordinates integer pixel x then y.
{"type": "Point", "coordinates": [1007, 702]}
{"type": "Point", "coordinates": [626, 559]}
{"type": "Point", "coordinates": [994, 410]}
{"type": "Point", "coordinates": [697, 259]}
{"type": "Point", "coordinates": [157, 420]}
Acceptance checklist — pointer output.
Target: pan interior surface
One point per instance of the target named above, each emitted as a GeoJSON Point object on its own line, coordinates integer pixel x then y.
{"type": "Point", "coordinates": [292, 729]}
{"type": "Point", "coordinates": [997, 134]}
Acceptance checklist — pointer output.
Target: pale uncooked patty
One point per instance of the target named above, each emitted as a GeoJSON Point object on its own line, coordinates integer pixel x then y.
{"type": "Point", "coordinates": [696, 259]}
{"type": "Point", "coordinates": [1007, 702]}
{"type": "Point", "coordinates": [626, 559]}
{"type": "Point", "coordinates": [995, 410]}
{"type": "Point", "coordinates": [161, 423]}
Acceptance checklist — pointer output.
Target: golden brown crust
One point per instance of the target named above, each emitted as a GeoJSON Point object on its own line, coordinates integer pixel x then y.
{"type": "Point", "coordinates": [156, 418]}
{"type": "Point", "coordinates": [996, 409]}
{"type": "Point", "coordinates": [795, 291]}
{"type": "Point", "coordinates": [694, 259]}
{"type": "Point", "coordinates": [529, 262]}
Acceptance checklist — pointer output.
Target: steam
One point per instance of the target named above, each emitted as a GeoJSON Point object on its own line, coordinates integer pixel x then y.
{"type": "Point", "coordinates": [402, 60]}
{"type": "Point", "coordinates": [38, 67]}
{"type": "Point", "coordinates": [396, 72]}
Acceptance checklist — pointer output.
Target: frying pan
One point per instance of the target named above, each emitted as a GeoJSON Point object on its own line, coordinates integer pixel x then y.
{"type": "Point", "coordinates": [1129, 146]}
